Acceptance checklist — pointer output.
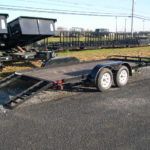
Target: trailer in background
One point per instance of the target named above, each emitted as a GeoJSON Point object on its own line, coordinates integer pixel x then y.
{"type": "Point", "coordinates": [3, 39]}
{"type": "Point", "coordinates": [22, 31]}
{"type": "Point", "coordinates": [69, 40]}
{"type": "Point", "coordinates": [3, 28]}
{"type": "Point", "coordinates": [27, 30]}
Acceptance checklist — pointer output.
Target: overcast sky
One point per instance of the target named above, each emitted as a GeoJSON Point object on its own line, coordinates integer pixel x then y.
{"type": "Point", "coordinates": [115, 7]}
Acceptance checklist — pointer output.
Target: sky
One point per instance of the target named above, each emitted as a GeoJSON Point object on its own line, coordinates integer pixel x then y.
{"type": "Point", "coordinates": [114, 7]}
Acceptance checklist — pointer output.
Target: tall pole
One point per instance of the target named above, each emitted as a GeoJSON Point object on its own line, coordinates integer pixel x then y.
{"type": "Point", "coordinates": [116, 24]}
{"type": "Point", "coordinates": [132, 17]}
{"type": "Point", "coordinates": [143, 25]}
{"type": "Point", "coordinates": [125, 25]}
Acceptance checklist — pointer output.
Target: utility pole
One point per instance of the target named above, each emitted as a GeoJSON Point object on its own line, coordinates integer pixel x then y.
{"type": "Point", "coordinates": [132, 17]}
{"type": "Point", "coordinates": [125, 25]}
{"type": "Point", "coordinates": [143, 25]}
{"type": "Point", "coordinates": [116, 24]}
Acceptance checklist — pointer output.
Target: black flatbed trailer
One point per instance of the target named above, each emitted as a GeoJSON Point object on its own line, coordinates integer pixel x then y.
{"type": "Point", "coordinates": [100, 73]}
{"type": "Point", "coordinates": [83, 69]}
{"type": "Point", "coordinates": [70, 71]}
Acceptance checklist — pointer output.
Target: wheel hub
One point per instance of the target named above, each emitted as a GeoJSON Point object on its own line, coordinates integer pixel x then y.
{"type": "Point", "coordinates": [106, 80]}
{"type": "Point", "coordinates": [123, 77]}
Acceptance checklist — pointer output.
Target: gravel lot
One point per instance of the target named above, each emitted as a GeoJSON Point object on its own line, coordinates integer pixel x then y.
{"type": "Point", "coordinates": [82, 120]}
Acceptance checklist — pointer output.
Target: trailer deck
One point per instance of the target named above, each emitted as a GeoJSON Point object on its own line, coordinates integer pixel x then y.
{"type": "Point", "coordinates": [69, 71]}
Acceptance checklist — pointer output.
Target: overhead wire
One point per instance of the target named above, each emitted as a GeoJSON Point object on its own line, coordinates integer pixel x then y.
{"type": "Point", "coordinates": [46, 10]}
{"type": "Point", "coordinates": [69, 5]}
{"type": "Point", "coordinates": [69, 12]}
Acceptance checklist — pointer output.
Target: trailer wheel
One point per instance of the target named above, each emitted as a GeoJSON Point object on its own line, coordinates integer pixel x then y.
{"type": "Point", "coordinates": [104, 80]}
{"type": "Point", "coordinates": [122, 76]}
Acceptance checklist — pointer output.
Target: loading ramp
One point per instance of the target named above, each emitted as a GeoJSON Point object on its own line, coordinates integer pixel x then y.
{"type": "Point", "coordinates": [15, 89]}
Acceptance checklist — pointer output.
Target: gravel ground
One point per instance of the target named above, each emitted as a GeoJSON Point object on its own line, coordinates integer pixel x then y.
{"type": "Point", "coordinates": [82, 120]}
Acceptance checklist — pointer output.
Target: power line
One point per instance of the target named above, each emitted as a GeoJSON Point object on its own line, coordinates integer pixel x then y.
{"type": "Point", "coordinates": [69, 4]}
{"type": "Point", "coordinates": [60, 1]}
{"type": "Point", "coordinates": [57, 3]}
{"type": "Point", "coordinates": [69, 12]}
{"type": "Point", "coordinates": [64, 3]}
{"type": "Point", "coordinates": [46, 10]}
{"type": "Point", "coordinates": [142, 17]}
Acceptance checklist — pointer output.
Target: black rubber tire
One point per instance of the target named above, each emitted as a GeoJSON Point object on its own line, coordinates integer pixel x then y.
{"type": "Point", "coordinates": [117, 77]}
{"type": "Point", "coordinates": [99, 85]}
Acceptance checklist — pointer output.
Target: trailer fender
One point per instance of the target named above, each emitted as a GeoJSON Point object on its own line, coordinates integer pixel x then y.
{"type": "Point", "coordinates": [129, 68]}
{"type": "Point", "coordinates": [114, 67]}
{"type": "Point", "coordinates": [95, 71]}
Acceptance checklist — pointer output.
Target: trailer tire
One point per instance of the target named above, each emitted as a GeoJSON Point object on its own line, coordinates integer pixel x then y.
{"type": "Point", "coordinates": [104, 80]}
{"type": "Point", "coordinates": [122, 76]}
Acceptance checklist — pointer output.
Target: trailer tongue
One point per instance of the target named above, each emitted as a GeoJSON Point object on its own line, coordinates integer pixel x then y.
{"type": "Point", "coordinates": [20, 86]}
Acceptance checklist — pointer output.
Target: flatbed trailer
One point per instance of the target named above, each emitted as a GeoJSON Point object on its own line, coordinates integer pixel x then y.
{"type": "Point", "coordinates": [101, 73]}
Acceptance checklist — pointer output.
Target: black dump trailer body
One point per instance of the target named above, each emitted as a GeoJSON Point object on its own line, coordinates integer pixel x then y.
{"type": "Point", "coordinates": [27, 30]}
{"type": "Point", "coordinates": [3, 30]}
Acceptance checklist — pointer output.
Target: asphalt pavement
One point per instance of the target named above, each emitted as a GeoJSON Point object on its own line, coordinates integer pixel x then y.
{"type": "Point", "coordinates": [89, 120]}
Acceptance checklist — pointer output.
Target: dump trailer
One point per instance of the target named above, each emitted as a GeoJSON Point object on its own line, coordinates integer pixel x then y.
{"type": "Point", "coordinates": [68, 72]}
{"type": "Point", "coordinates": [3, 30]}
{"type": "Point", "coordinates": [27, 30]}
{"type": "Point", "coordinates": [3, 39]}
{"type": "Point", "coordinates": [21, 32]}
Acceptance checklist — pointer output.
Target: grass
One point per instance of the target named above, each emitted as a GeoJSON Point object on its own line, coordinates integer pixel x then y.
{"type": "Point", "coordinates": [53, 39]}
{"type": "Point", "coordinates": [57, 39]}
{"type": "Point", "coordinates": [104, 53]}
{"type": "Point", "coordinates": [83, 55]}
{"type": "Point", "coordinates": [18, 66]}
